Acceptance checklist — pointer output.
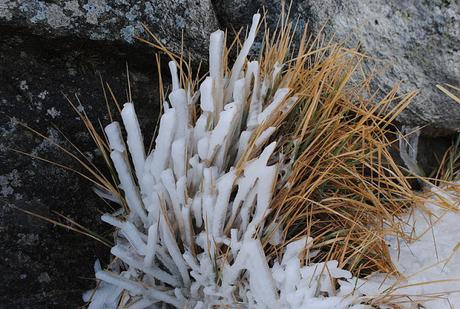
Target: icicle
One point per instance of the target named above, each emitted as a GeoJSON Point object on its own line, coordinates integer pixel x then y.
{"type": "Point", "coordinates": [112, 221]}
{"type": "Point", "coordinates": [152, 202]}
{"type": "Point", "coordinates": [221, 132]}
{"type": "Point", "coordinates": [408, 146]}
{"type": "Point", "coordinates": [208, 199]}
{"type": "Point", "coordinates": [246, 183]}
{"type": "Point", "coordinates": [142, 304]}
{"type": "Point", "coordinates": [255, 106]}
{"type": "Point", "coordinates": [294, 248]}
{"type": "Point", "coordinates": [129, 187]}
{"type": "Point", "coordinates": [135, 140]}
{"type": "Point", "coordinates": [126, 256]}
{"type": "Point", "coordinates": [164, 297]}
{"type": "Point", "coordinates": [104, 194]}
{"type": "Point", "coordinates": [261, 280]}
{"type": "Point", "coordinates": [200, 128]}
{"type": "Point", "coordinates": [178, 99]}
{"type": "Point", "coordinates": [174, 251]}
{"type": "Point", "coordinates": [280, 95]}
{"type": "Point", "coordinates": [133, 236]}
{"type": "Point", "coordinates": [174, 77]}
{"type": "Point", "coordinates": [114, 136]}
{"type": "Point", "coordinates": [216, 71]}
{"type": "Point", "coordinates": [239, 92]}
{"type": "Point", "coordinates": [187, 226]}
{"type": "Point", "coordinates": [203, 148]}
{"type": "Point", "coordinates": [178, 153]}
{"type": "Point", "coordinates": [167, 178]}
{"type": "Point", "coordinates": [247, 209]}
{"type": "Point", "coordinates": [245, 136]}
{"type": "Point", "coordinates": [224, 149]}
{"type": "Point", "coordinates": [107, 295]}
{"type": "Point", "coordinates": [196, 207]}
{"type": "Point", "coordinates": [129, 285]}
{"type": "Point", "coordinates": [161, 154]}
{"type": "Point", "coordinates": [265, 186]}
{"type": "Point", "coordinates": [181, 189]}
{"type": "Point", "coordinates": [151, 245]}
{"type": "Point", "coordinates": [224, 189]}
{"type": "Point", "coordinates": [167, 261]}
{"type": "Point", "coordinates": [207, 103]}
{"type": "Point", "coordinates": [240, 60]}
{"type": "Point", "coordinates": [195, 173]}
{"type": "Point", "coordinates": [264, 136]}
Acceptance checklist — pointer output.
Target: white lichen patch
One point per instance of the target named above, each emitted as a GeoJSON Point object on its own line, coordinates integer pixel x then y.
{"type": "Point", "coordinates": [56, 17]}
{"type": "Point", "coordinates": [40, 9]}
{"type": "Point", "coordinates": [5, 9]}
{"type": "Point", "coordinates": [44, 278]}
{"type": "Point", "coordinates": [180, 22]}
{"type": "Point", "coordinates": [94, 9]}
{"type": "Point", "coordinates": [74, 7]}
{"type": "Point", "coordinates": [23, 85]}
{"type": "Point", "coordinates": [42, 95]}
{"type": "Point", "coordinates": [28, 239]}
{"type": "Point", "coordinates": [80, 108]}
{"type": "Point", "coordinates": [52, 139]}
{"type": "Point", "coordinates": [9, 128]}
{"type": "Point", "coordinates": [133, 13]}
{"type": "Point", "coordinates": [129, 32]}
{"type": "Point", "coordinates": [8, 182]}
{"type": "Point", "coordinates": [53, 112]}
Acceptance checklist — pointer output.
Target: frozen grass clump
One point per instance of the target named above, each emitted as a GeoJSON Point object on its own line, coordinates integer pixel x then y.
{"type": "Point", "coordinates": [270, 184]}
{"type": "Point", "coordinates": [267, 180]}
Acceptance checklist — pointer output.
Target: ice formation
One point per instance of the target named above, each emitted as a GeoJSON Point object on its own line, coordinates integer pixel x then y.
{"type": "Point", "coordinates": [190, 236]}
{"type": "Point", "coordinates": [197, 203]}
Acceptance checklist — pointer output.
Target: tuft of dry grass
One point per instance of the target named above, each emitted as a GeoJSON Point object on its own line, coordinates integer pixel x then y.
{"type": "Point", "coordinates": [340, 184]}
{"type": "Point", "coordinates": [344, 188]}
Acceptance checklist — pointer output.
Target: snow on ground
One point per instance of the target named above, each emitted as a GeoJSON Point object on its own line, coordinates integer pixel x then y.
{"type": "Point", "coordinates": [431, 263]}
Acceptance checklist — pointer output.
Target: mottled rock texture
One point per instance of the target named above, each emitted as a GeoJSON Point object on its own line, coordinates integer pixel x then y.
{"type": "Point", "coordinates": [51, 48]}
{"type": "Point", "coordinates": [417, 42]}
{"type": "Point", "coordinates": [116, 20]}
{"type": "Point", "coordinates": [44, 266]}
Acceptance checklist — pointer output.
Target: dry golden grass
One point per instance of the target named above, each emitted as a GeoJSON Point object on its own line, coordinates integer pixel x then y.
{"type": "Point", "coordinates": [345, 189]}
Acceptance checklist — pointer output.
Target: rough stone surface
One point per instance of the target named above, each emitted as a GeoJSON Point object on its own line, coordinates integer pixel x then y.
{"type": "Point", "coordinates": [44, 266]}
{"type": "Point", "coordinates": [116, 20]}
{"type": "Point", "coordinates": [417, 41]}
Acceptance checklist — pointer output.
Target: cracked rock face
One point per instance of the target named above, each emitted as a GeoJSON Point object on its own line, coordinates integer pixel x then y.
{"type": "Point", "coordinates": [417, 41]}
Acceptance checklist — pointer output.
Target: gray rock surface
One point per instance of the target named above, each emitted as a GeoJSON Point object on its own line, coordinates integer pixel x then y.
{"type": "Point", "coordinates": [116, 20]}
{"type": "Point", "coordinates": [417, 41]}
{"type": "Point", "coordinates": [41, 265]}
